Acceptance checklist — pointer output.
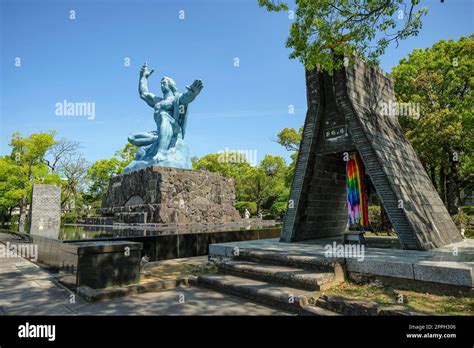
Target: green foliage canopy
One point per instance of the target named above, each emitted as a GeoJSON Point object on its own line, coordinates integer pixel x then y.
{"type": "Point", "coordinates": [24, 167]}
{"type": "Point", "coordinates": [440, 80]}
{"type": "Point", "coordinates": [325, 29]}
{"type": "Point", "coordinates": [262, 185]}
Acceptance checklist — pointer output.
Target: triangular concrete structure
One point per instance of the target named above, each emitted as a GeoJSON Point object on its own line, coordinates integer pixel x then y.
{"type": "Point", "coordinates": [344, 115]}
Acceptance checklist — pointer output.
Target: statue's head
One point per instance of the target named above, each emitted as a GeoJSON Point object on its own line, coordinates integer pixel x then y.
{"type": "Point", "coordinates": [168, 84]}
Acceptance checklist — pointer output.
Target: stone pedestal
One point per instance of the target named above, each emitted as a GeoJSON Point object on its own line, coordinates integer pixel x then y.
{"type": "Point", "coordinates": [170, 195]}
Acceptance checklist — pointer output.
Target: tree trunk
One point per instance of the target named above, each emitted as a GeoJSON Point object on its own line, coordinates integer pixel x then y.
{"type": "Point", "coordinates": [10, 213]}
{"type": "Point", "coordinates": [22, 217]}
{"type": "Point", "coordinates": [442, 184]}
{"type": "Point", "coordinates": [452, 188]}
{"type": "Point", "coordinates": [433, 177]}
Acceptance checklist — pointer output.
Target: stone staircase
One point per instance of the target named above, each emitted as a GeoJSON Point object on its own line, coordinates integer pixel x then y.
{"type": "Point", "coordinates": [275, 279]}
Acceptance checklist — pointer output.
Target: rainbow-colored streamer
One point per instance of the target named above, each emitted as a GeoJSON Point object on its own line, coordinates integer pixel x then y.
{"type": "Point", "coordinates": [356, 195]}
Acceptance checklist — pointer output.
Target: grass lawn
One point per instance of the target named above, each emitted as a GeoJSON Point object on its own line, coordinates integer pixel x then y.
{"type": "Point", "coordinates": [416, 301]}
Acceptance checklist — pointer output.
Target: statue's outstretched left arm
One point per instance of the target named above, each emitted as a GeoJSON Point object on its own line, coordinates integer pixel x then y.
{"type": "Point", "coordinates": [192, 92]}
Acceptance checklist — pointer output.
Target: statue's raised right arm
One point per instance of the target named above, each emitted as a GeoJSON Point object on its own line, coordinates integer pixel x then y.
{"type": "Point", "coordinates": [148, 97]}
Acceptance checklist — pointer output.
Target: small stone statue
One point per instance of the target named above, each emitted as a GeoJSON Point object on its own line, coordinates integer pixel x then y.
{"type": "Point", "coordinates": [246, 214]}
{"type": "Point", "coordinates": [165, 146]}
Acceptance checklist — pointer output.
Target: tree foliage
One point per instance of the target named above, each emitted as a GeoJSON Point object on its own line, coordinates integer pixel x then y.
{"type": "Point", "coordinates": [325, 29]}
{"type": "Point", "coordinates": [99, 174]}
{"type": "Point", "coordinates": [261, 185]}
{"type": "Point", "coordinates": [126, 155]}
{"type": "Point", "coordinates": [24, 167]}
{"type": "Point", "coordinates": [265, 184]}
{"type": "Point", "coordinates": [440, 80]}
{"type": "Point", "coordinates": [290, 138]}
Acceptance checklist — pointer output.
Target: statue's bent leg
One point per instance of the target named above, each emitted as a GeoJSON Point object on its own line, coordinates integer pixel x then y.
{"type": "Point", "coordinates": [143, 139]}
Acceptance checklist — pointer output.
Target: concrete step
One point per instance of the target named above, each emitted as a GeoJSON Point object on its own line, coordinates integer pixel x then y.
{"type": "Point", "coordinates": [272, 295]}
{"type": "Point", "coordinates": [296, 278]}
{"type": "Point", "coordinates": [317, 311]}
{"type": "Point", "coordinates": [306, 262]}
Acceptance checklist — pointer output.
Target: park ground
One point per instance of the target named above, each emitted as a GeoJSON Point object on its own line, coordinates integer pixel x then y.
{"type": "Point", "coordinates": [27, 289]}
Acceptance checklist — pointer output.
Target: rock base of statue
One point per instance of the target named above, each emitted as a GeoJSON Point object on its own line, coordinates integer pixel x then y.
{"type": "Point", "coordinates": [170, 195]}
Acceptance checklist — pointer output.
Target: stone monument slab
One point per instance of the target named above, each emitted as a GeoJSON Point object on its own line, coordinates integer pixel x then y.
{"type": "Point", "coordinates": [45, 210]}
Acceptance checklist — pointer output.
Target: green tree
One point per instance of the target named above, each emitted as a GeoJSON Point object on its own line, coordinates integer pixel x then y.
{"type": "Point", "coordinates": [11, 184]}
{"type": "Point", "coordinates": [98, 176]}
{"type": "Point", "coordinates": [290, 138]}
{"type": "Point", "coordinates": [267, 185]}
{"type": "Point", "coordinates": [28, 155]}
{"type": "Point", "coordinates": [263, 184]}
{"type": "Point", "coordinates": [326, 29]}
{"type": "Point", "coordinates": [232, 165]}
{"type": "Point", "coordinates": [100, 172]}
{"type": "Point", "coordinates": [439, 79]}
{"type": "Point", "coordinates": [126, 155]}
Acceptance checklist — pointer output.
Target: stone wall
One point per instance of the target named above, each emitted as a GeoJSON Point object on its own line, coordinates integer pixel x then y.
{"type": "Point", "coordinates": [170, 195]}
{"type": "Point", "coordinates": [326, 211]}
{"type": "Point", "coordinates": [317, 206]}
{"type": "Point", "coordinates": [296, 212]}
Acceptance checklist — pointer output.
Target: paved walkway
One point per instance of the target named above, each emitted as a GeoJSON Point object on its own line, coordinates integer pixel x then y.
{"type": "Point", "coordinates": [27, 289]}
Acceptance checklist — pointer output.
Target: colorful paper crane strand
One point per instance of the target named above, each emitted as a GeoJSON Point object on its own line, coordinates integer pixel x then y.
{"type": "Point", "coordinates": [356, 195]}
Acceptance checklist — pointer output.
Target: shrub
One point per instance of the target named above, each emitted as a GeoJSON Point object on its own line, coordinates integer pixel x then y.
{"type": "Point", "coordinates": [468, 210]}
{"type": "Point", "coordinates": [73, 216]}
{"type": "Point", "coordinates": [374, 217]}
{"type": "Point", "coordinates": [270, 216]}
{"type": "Point", "coordinates": [251, 206]}
{"type": "Point", "coordinates": [461, 219]}
{"type": "Point", "coordinates": [278, 209]}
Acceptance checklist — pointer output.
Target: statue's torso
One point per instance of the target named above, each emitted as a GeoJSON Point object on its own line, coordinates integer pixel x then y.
{"type": "Point", "coordinates": [164, 109]}
{"type": "Point", "coordinates": [165, 105]}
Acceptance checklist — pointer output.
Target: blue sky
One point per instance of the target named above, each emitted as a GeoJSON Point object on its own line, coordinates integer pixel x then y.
{"type": "Point", "coordinates": [241, 108]}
